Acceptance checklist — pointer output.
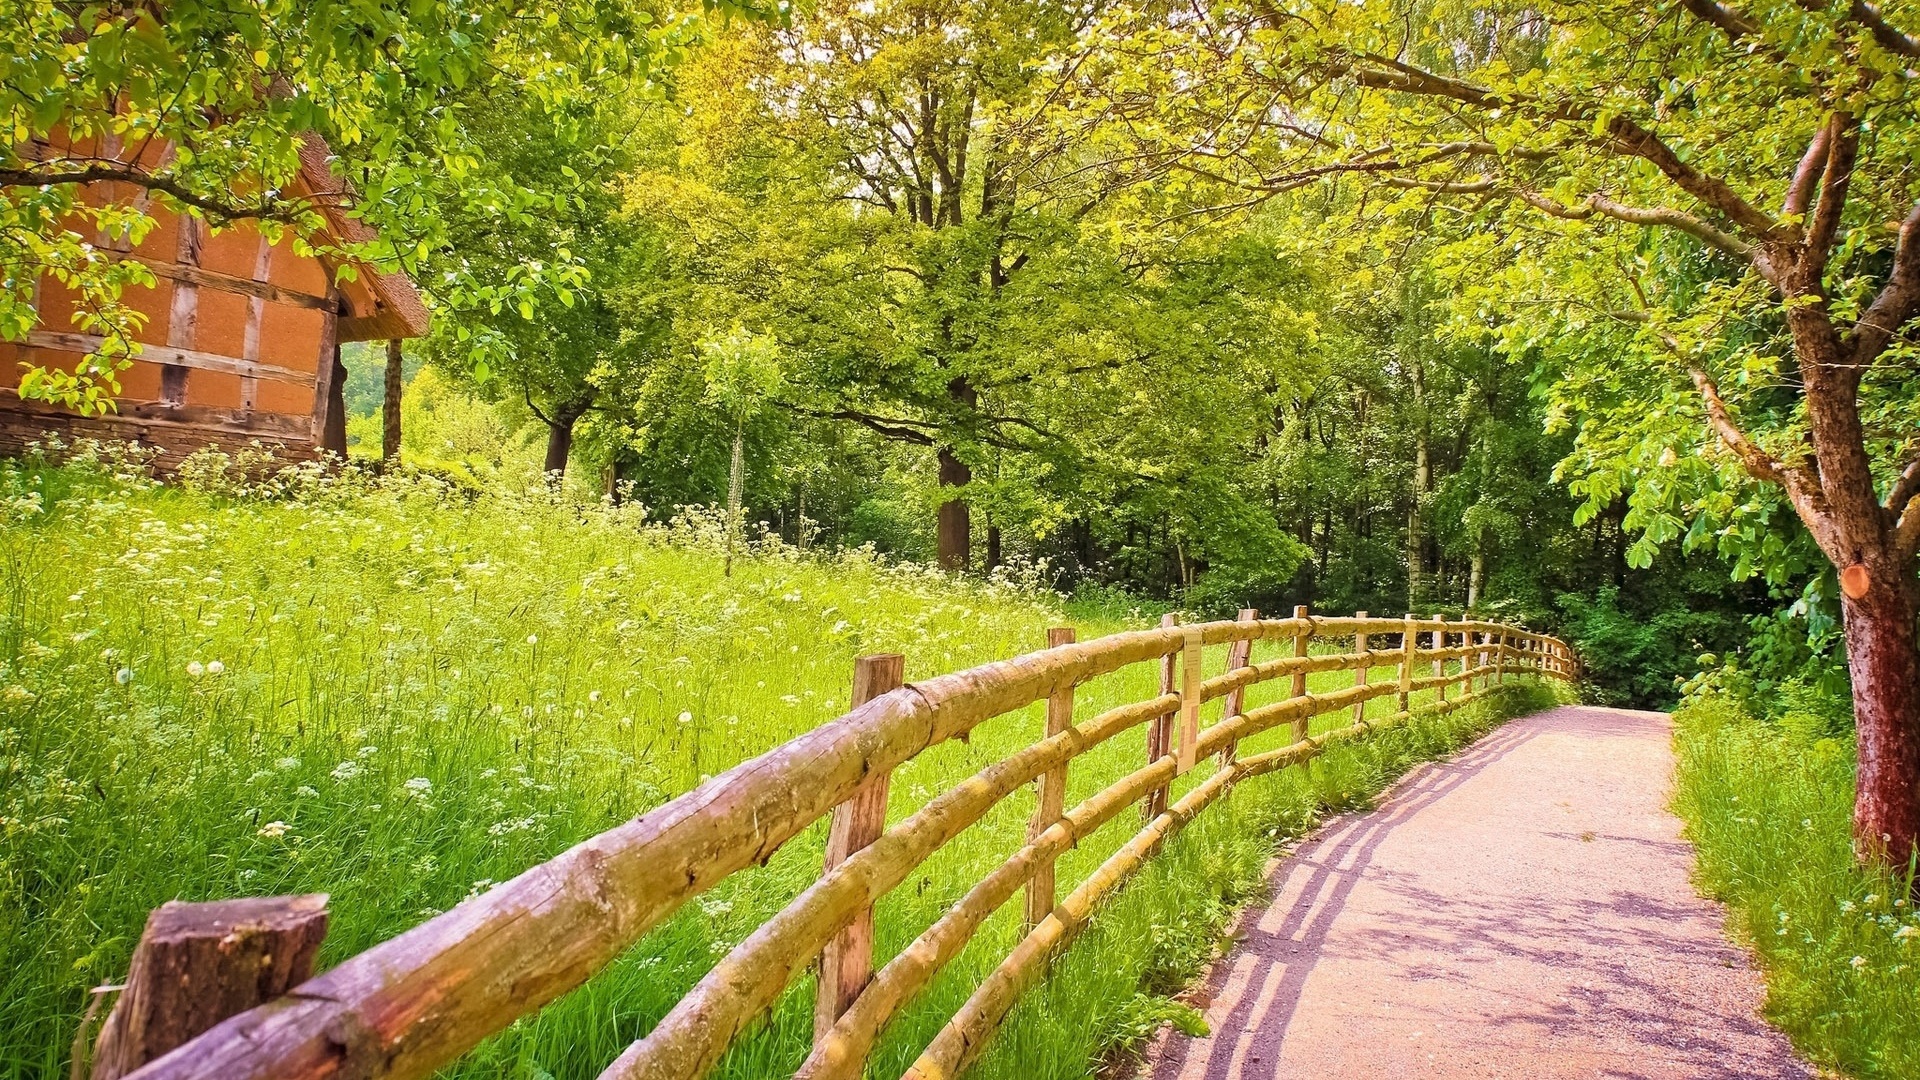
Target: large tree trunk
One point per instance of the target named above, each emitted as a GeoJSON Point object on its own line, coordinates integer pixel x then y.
{"type": "Point", "coordinates": [390, 407]}
{"type": "Point", "coordinates": [1884, 660]}
{"type": "Point", "coordinates": [955, 541]}
{"type": "Point", "coordinates": [560, 440]}
{"type": "Point", "coordinates": [1422, 480]}
{"type": "Point", "coordinates": [955, 529]}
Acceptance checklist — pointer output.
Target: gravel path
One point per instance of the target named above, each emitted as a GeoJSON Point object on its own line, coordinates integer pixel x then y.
{"type": "Point", "coordinates": [1523, 910]}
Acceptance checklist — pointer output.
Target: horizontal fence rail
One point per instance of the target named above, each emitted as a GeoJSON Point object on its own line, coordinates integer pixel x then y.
{"type": "Point", "coordinates": [418, 1001]}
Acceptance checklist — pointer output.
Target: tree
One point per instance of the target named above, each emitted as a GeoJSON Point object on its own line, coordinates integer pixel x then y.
{"type": "Point", "coordinates": [872, 183]}
{"type": "Point", "coordinates": [531, 280]}
{"type": "Point", "coordinates": [201, 107]}
{"type": "Point", "coordinates": [742, 372]}
{"type": "Point", "coordinates": [1729, 181]}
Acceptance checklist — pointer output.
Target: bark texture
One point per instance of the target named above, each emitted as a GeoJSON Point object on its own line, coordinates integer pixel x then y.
{"type": "Point", "coordinates": [198, 964]}
{"type": "Point", "coordinates": [390, 405]}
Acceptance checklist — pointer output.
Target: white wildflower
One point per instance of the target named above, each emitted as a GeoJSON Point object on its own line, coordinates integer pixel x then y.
{"type": "Point", "coordinates": [533, 639]}
{"type": "Point", "coordinates": [215, 667]}
{"type": "Point", "coordinates": [346, 770]}
{"type": "Point", "coordinates": [196, 669]}
{"type": "Point", "coordinates": [420, 786]}
{"type": "Point", "coordinates": [1858, 962]}
{"type": "Point", "coordinates": [123, 676]}
{"type": "Point", "coordinates": [273, 830]}
{"type": "Point", "coordinates": [686, 717]}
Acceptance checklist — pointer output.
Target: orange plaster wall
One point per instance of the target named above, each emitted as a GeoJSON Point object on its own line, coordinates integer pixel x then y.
{"type": "Point", "coordinates": [221, 327]}
{"type": "Point", "coordinates": [284, 397]}
{"type": "Point", "coordinates": [290, 337]}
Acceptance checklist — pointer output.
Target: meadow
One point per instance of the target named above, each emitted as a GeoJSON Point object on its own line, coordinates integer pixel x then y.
{"type": "Point", "coordinates": [399, 691]}
{"type": "Point", "coordinates": [1769, 808]}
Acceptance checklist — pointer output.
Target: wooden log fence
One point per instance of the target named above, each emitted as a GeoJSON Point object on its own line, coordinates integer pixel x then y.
{"type": "Point", "coordinates": [415, 1003]}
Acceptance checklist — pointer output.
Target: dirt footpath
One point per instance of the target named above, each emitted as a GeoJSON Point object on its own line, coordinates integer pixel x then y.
{"type": "Point", "coordinates": [1521, 911]}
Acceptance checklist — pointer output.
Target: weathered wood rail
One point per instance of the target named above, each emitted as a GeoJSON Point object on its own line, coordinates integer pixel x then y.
{"type": "Point", "coordinates": [420, 1000]}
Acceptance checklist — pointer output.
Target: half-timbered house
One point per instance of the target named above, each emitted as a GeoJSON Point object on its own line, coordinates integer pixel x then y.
{"type": "Point", "coordinates": [241, 337]}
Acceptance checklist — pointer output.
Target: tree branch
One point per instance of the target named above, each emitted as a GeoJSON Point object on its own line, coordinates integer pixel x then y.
{"type": "Point", "coordinates": [1631, 138]}
{"type": "Point", "coordinates": [1623, 134]}
{"type": "Point", "coordinates": [272, 210]}
{"type": "Point", "coordinates": [1898, 299]}
{"type": "Point", "coordinates": [1905, 487]}
{"type": "Point", "coordinates": [1807, 176]}
{"type": "Point", "coordinates": [1675, 219]}
{"type": "Point", "coordinates": [1734, 24]}
{"type": "Point", "coordinates": [1843, 144]}
{"type": "Point", "coordinates": [1885, 34]}
{"type": "Point", "coordinates": [1801, 485]}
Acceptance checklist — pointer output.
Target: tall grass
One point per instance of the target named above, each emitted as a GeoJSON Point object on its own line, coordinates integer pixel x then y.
{"type": "Point", "coordinates": [399, 693]}
{"type": "Point", "coordinates": [1769, 809]}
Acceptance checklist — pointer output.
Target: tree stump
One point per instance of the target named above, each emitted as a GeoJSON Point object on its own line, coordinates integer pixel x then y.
{"type": "Point", "coordinates": [198, 964]}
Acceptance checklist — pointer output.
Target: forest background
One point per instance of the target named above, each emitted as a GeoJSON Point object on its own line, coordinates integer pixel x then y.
{"type": "Point", "coordinates": [910, 269]}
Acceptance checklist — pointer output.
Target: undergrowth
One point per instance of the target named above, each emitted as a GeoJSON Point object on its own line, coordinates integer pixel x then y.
{"type": "Point", "coordinates": [1769, 807]}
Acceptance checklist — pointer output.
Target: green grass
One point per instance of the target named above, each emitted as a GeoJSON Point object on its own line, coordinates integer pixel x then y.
{"type": "Point", "coordinates": [398, 693]}
{"type": "Point", "coordinates": [1769, 810]}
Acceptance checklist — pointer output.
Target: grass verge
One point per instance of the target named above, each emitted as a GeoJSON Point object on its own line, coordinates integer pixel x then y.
{"type": "Point", "coordinates": [1769, 810]}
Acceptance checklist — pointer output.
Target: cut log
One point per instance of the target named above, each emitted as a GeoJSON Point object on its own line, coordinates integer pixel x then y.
{"type": "Point", "coordinates": [197, 964]}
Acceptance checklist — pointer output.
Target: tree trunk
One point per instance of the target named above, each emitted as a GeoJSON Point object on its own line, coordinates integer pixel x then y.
{"type": "Point", "coordinates": [1879, 594]}
{"type": "Point", "coordinates": [559, 441]}
{"type": "Point", "coordinates": [1884, 661]}
{"type": "Point", "coordinates": [1477, 571]}
{"type": "Point", "coordinates": [1422, 479]}
{"type": "Point", "coordinates": [334, 434]}
{"type": "Point", "coordinates": [993, 546]}
{"type": "Point", "coordinates": [956, 532]}
{"type": "Point", "coordinates": [736, 482]}
{"type": "Point", "coordinates": [390, 406]}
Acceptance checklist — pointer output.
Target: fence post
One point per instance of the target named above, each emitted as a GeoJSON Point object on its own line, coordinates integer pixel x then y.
{"type": "Point", "coordinates": [1409, 640]}
{"type": "Point", "coordinates": [198, 964]}
{"type": "Point", "coordinates": [1440, 642]}
{"type": "Point", "coordinates": [1160, 730]}
{"type": "Point", "coordinates": [1053, 791]}
{"type": "Point", "coordinates": [1301, 639]}
{"type": "Point", "coordinates": [1480, 668]}
{"type": "Point", "coordinates": [1190, 672]}
{"type": "Point", "coordinates": [1500, 656]}
{"type": "Point", "coordinates": [1239, 655]}
{"type": "Point", "coordinates": [846, 964]}
{"type": "Point", "coordinates": [1360, 676]}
